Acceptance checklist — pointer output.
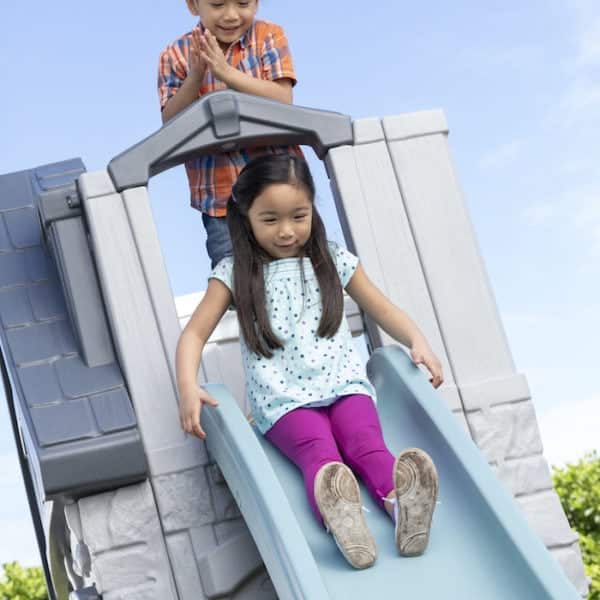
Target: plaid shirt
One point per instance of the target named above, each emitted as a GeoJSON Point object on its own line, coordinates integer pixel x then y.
{"type": "Point", "coordinates": [262, 52]}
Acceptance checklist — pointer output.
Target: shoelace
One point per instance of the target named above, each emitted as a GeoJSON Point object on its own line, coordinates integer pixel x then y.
{"type": "Point", "coordinates": [393, 501]}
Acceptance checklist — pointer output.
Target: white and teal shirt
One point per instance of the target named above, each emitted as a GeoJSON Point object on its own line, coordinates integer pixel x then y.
{"type": "Point", "coordinates": [308, 370]}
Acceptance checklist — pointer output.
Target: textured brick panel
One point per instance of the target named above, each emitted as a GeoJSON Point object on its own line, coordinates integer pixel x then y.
{"type": "Point", "coordinates": [224, 503]}
{"type": "Point", "coordinates": [23, 227]}
{"type": "Point", "coordinates": [126, 569]}
{"type": "Point", "coordinates": [203, 540]}
{"type": "Point", "coordinates": [12, 269]}
{"type": "Point", "coordinates": [507, 431]}
{"type": "Point", "coordinates": [39, 267]}
{"type": "Point", "coordinates": [228, 529]}
{"type": "Point", "coordinates": [113, 411]}
{"type": "Point", "coordinates": [5, 245]}
{"type": "Point", "coordinates": [570, 560]}
{"type": "Point", "coordinates": [40, 385]}
{"type": "Point", "coordinates": [525, 475]}
{"type": "Point", "coordinates": [63, 422]}
{"type": "Point", "coordinates": [184, 499]}
{"type": "Point", "coordinates": [76, 379]}
{"type": "Point", "coordinates": [187, 579]}
{"type": "Point", "coordinates": [47, 301]}
{"type": "Point", "coordinates": [546, 517]}
{"type": "Point", "coordinates": [15, 308]}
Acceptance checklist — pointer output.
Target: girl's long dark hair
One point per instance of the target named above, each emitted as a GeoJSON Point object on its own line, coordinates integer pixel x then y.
{"type": "Point", "coordinates": [249, 258]}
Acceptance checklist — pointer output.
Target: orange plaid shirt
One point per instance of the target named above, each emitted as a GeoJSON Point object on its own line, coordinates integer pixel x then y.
{"type": "Point", "coordinates": [262, 52]}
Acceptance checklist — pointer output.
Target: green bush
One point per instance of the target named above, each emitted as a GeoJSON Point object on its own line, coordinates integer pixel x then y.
{"type": "Point", "coordinates": [578, 486]}
{"type": "Point", "coordinates": [22, 583]}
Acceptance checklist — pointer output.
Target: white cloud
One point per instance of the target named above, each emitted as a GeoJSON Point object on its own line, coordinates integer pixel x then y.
{"type": "Point", "coordinates": [570, 430]}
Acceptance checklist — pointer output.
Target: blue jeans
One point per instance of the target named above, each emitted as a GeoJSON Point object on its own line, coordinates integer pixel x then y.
{"type": "Point", "coordinates": [218, 242]}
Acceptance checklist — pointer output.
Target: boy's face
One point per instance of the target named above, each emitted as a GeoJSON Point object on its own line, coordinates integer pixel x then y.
{"type": "Point", "coordinates": [227, 20]}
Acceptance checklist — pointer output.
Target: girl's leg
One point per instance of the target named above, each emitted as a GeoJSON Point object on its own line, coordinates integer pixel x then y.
{"type": "Point", "coordinates": [304, 436]}
{"type": "Point", "coordinates": [357, 431]}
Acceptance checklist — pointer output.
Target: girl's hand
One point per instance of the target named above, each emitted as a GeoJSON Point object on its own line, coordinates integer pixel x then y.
{"type": "Point", "coordinates": [213, 55]}
{"type": "Point", "coordinates": [421, 354]}
{"type": "Point", "coordinates": [190, 407]}
{"type": "Point", "coordinates": [197, 63]}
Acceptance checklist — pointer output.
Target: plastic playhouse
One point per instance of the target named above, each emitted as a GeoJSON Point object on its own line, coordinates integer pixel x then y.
{"type": "Point", "coordinates": [126, 506]}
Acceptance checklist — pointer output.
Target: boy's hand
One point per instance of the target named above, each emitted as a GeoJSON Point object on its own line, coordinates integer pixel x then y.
{"type": "Point", "coordinates": [190, 407]}
{"type": "Point", "coordinates": [197, 63]}
{"type": "Point", "coordinates": [421, 354]}
{"type": "Point", "coordinates": [213, 55]}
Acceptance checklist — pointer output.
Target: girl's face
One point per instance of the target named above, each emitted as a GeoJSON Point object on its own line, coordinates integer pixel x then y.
{"type": "Point", "coordinates": [281, 219]}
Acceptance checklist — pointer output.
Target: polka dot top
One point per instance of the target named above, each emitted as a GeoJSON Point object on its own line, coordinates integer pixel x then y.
{"type": "Point", "coordinates": [309, 370]}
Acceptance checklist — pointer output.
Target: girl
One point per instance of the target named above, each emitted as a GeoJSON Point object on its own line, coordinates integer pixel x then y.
{"type": "Point", "coordinates": [306, 385]}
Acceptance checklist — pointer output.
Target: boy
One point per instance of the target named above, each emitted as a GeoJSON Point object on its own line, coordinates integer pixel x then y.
{"type": "Point", "coordinates": [228, 48]}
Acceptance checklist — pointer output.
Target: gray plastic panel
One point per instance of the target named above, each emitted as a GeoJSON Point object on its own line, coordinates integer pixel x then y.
{"type": "Point", "coordinates": [79, 419]}
{"type": "Point", "coordinates": [76, 268]}
{"type": "Point", "coordinates": [226, 120]}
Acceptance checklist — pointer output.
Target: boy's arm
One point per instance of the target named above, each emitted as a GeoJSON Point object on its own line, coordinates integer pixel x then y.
{"type": "Point", "coordinates": [189, 353]}
{"type": "Point", "coordinates": [280, 89]}
{"type": "Point", "coordinates": [189, 89]}
{"type": "Point", "coordinates": [187, 93]}
{"type": "Point", "coordinates": [394, 321]}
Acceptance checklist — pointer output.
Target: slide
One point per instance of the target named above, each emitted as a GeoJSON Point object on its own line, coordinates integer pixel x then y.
{"type": "Point", "coordinates": [480, 546]}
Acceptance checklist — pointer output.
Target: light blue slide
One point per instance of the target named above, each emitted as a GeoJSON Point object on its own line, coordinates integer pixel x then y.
{"type": "Point", "coordinates": [480, 546]}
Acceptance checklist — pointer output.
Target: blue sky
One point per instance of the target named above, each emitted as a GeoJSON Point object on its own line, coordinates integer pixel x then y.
{"type": "Point", "coordinates": [520, 85]}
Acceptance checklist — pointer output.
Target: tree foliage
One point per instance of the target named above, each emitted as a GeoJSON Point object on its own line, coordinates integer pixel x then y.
{"type": "Point", "coordinates": [22, 583]}
{"type": "Point", "coordinates": [578, 486]}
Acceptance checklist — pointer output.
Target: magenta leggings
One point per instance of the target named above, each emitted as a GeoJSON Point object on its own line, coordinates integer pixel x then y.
{"type": "Point", "coordinates": [346, 431]}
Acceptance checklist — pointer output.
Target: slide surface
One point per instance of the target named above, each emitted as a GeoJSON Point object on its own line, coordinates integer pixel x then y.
{"type": "Point", "coordinates": [480, 546]}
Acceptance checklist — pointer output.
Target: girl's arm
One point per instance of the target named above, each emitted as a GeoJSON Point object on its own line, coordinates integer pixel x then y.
{"type": "Point", "coordinates": [189, 353]}
{"type": "Point", "coordinates": [211, 53]}
{"type": "Point", "coordinates": [394, 322]}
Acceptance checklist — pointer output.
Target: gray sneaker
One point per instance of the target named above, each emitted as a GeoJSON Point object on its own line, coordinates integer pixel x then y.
{"type": "Point", "coordinates": [416, 488]}
{"type": "Point", "coordinates": [338, 498]}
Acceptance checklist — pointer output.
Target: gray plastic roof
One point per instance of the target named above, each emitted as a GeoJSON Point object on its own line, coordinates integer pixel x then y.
{"type": "Point", "coordinates": [77, 421]}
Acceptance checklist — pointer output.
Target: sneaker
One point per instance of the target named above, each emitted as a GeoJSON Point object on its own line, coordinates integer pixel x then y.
{"type": "Point", "coordinates": [416, 489]}
{"type": "Point", "coordinates": [338, 498]}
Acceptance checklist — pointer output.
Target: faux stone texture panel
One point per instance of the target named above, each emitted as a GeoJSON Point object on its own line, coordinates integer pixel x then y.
{"type": "Point", "coordinates": [15, 308]}
{"type": "Point", "coordinates": [125, 568]}
{"type": "Point", "coordinates": [228, 529]}
{"type": "Point", "coordinates": [203, 540]}
{"type": "Point", "coordinates": [507, 431]}
{"type": "Point", "coordinates": [546, 517]}
{"type": "Point", "coordinates": [184, 500]}
{"type": "Point", "coordinates": [23, 227]}
{"type": "Point", "coordinates": [182, 555]}
{"type": "Point", "coordinates": [77, 379]}
{"type": "Point", "coordinates": [224, 503]}
{"type": "Point", "coordinates": [123, 534]}
{"type": "Point", "coordinates": [570, 560]}
{"type": "Point", "coordinates": [525, 475]}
